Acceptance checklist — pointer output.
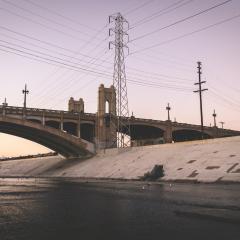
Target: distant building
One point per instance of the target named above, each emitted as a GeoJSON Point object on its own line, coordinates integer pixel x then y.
{"type": "Point", "coordinates": [76, 105]}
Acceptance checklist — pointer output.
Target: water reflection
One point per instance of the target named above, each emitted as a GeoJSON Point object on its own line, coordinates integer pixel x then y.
{"type": "Point", "coordinates": [54, 209]}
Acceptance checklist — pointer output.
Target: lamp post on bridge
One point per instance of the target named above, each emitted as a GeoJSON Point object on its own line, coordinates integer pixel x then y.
{"type": "Point", "coordinates": [25, 92]}
{"type": "Point", "coordinates": [214, 117]}
{"type": "Point", "coordinates": [168, 108]}
{"type": "Point", "coordinates": [222, 123]}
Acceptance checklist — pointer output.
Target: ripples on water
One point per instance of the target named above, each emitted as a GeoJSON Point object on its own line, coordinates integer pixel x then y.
{"type": "Point", "coordinates": [63, 209]}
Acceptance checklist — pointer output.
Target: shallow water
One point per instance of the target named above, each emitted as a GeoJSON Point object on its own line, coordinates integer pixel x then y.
{"type": "Point", "coordinates": [74, 209]}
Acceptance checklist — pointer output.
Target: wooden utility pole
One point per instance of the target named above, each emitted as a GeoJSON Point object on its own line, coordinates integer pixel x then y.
{"type": "Point", "coordinates": [200, 90]}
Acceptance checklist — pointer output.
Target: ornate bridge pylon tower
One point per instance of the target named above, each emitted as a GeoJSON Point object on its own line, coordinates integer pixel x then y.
{"type": "Point", "coordinates": [105, 131]}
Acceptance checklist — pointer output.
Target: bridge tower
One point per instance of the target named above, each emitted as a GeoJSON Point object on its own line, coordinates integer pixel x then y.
{"type": "Point", "coordinates": [106, 133]}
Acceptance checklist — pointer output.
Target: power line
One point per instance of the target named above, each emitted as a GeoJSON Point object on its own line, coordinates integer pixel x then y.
{"type": "Point", "coordinates": [101, 64]}
{"type": "Point", "coordinates": [45, 18]}
{"type": "Point", "coordinates": [77, 52]}
{"type": "Point", "coordinates": [164, 62]}
{"type": "Point", "coordinates": [178, 60]}
{"type": "Point", "coordinates": [63, 48]}
{"type": "Point", "coordinates": [218, 99]}
{"type": "Point", "coordinates": [160, 13]}
{"type": "Point", "coordinates": [43, 25]}
{"type": "Point", "coordinates": [224, 95]}
{"type": "Point", "coordinates": [224, 98]}
{"type": "Point", "coordinates": [168, 81]}
{"type": "Point", "coordinates": [45, 42]}
{"type": "Point", "coordinates": [138, 7]}
{"type": "Point", "coordinates": [65, 63]}
{"type": "Point", "coordinates": [150, 84]}
{"type": "Point", "coordinates": [93, 60]}
{"type": "Point", "coordinates": [59, 15]}
{"type": "Point", "coordinates": [187, 34]}
{"type": "Point", "coordinates": [52, 60]}
{"type": "Point", "coordinates": [135, 81]}
{"type": "Point", "coordinates": [78, 59]}
{"type": "Point", "coordinates": [182, 20]}
{"type": "Point", "coordinates": [16, 45]}
{"type": "Point", "coordinates": [64, 88]}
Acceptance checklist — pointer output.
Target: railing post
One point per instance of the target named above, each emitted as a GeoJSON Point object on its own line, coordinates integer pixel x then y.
{"type": "Point", "coordinates": [24, 113]}
{"type": "Point", "coordinates": [79, 126]}
{"type": "Point", "coordinates": [43, 118]}
{"type": "Point", "coordinates": [3, 110]}
{"type": "Point", "coordinates": [4, 105]}
{"type": "Point", "coordinates": [61, 121]}
{"type": "Point", "coordinates": [168, 132]}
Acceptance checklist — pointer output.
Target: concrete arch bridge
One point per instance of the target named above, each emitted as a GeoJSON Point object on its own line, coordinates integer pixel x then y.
{"type": "Point", "coordinates": [79, 134]}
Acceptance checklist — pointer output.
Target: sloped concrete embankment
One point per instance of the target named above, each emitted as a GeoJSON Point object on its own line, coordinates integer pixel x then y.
{"type": "Point", "coordinates": [203, 161]}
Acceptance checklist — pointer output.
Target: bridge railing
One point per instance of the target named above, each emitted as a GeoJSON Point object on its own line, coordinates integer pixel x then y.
{"type": "Point", "coordinates": [39, 111]}
{"type": "Point", "coordinates": [58, 113]}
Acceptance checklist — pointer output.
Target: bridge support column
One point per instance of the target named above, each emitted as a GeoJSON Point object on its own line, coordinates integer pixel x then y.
{"type": "Point", "coordinates": [61, 122]}
{"type": "Point", "coordinates": [24, 113]}
{"type": "Point", "coordinates": [4, 111]}
{"type": "Point", "coordinates": [43, 118]}
{"type": "Point", "coordinates": [215, 132]}
{"type": "Point", "coordinates": [168, 132]}
{"type": "Point", "coordinates": [79, 126]}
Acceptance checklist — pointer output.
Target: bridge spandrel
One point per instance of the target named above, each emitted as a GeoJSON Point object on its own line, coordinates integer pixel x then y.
{"type": "Point", "coordinates": [55, 139]}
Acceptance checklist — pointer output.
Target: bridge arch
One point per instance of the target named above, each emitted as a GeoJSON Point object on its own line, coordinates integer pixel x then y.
{"type": "Point", "coordinates": [53, 124]}
{"type": "Point", "coordinates": [35, 120]}
{"type": "Point", "coordinates": [143, 134]}
{"type": "Point", "coordinates": [87, 131]}
{"type": "Point", "coordinates": [181, 135]}
{"type": "Point", "coordinates": [61, 142]}
{"type": "Point", "coordinates": [70, 127]}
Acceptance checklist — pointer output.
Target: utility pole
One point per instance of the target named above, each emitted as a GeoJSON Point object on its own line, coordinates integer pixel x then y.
{"type": "Point", "coordinates": [214, 117]}
{"type": "Point", "coordinates": [200, 90]}
{"type": "Point", "coordinates": [222, 123]}
{"type": "Point", "coordinates": [25, 92]}
{"type": "Point", "coordinates": [121, 123]}
{"type": "Point", "coordinates": [168, 110]}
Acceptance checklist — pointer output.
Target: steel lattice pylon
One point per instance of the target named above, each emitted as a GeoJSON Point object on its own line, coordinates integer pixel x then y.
{"type": "Point", "coordinates": [120, 121]}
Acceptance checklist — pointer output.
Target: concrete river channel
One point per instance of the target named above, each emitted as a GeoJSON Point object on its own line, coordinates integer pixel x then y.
{"type": "Point", "coordinates": [47, 209]}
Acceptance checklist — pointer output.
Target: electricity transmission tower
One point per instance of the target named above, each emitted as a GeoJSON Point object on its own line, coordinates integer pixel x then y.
{"type": "Point", "coordinates": [119, 79]}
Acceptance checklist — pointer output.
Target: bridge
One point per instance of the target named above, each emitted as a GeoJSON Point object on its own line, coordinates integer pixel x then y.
{"type": "Point", "coordinates": [75, 133]}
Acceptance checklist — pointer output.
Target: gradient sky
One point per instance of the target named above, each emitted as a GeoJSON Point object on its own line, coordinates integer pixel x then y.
{"type": "Point", "coordinates": [80, 28]}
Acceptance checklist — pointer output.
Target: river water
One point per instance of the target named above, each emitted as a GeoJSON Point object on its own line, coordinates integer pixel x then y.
{"type": "Point", "coordinates": [77, 209]}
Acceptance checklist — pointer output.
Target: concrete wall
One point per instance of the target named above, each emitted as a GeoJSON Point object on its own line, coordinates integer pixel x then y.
{"type": "Point", "coordinates": [206, 161]}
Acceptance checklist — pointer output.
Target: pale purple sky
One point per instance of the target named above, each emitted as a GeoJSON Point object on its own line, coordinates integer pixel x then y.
{"type": "Point", "coordinates": [82, 27]}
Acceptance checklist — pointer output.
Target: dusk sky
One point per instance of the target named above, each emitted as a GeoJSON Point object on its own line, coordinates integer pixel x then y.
{"type": "Point", "coordinates": [167, 38]}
